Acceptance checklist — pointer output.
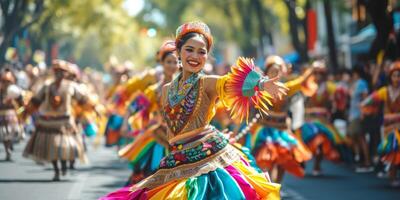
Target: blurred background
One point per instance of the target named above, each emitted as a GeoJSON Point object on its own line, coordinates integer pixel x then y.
{"type": "Point", "coordinates": [93, 31]}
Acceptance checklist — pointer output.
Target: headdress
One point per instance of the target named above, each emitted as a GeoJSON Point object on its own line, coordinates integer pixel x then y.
{"type": "Point", "coordinates": [194, 27]}
{"type": "Point", "coordinates": [168, 46]}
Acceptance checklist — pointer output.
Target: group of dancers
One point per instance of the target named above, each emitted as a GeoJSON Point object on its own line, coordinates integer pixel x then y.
{"type": "Point", "coordinates": [190, 134]}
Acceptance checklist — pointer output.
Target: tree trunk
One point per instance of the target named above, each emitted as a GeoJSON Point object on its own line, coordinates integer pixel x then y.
{"type": "Point", "coordinates": [383, 24]}
{"type": "Point", "coordinates": [294, 22]}
{"type": "Point", "coordinates": [331, 36]}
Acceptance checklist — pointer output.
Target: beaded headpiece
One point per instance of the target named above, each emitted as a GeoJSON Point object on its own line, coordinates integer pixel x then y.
{"type": "Point", "coordinates": [60, 65]}
{"type": "Point", "coordinates": [168, 46]}
{"type": "Point", "coordinates": [194, 27]}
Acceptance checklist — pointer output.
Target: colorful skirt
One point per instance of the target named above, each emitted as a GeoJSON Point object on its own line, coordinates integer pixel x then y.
{"type": "Point", "coordinates": [390, 148]}
{"type": "Point", "coordinates": [319, 136]}
{"type": "Point", "coordinates": [144, 154]}
{"type": "Point", "coordinates": [112, 132]}
{"type": "Point", "coordinates": [204, 168]}
{"type": "Point", "coordinates": [274, 147]}
{"type": "Point", "coordinates": [55, 138]}
{"type": "Point", "coordinates": [10, 128]}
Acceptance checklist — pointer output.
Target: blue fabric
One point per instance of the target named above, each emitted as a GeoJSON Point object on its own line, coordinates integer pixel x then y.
{"type": "Point", "coordinates": [115, 122]}
{"type": "Point", "coordinates": [158, 153]}
{"type": "Point", "coordinates": [215, 185]}
{"type": "Point", "coordinates": [359, 87]}
{"type": "Point", "coordinates": [91, 129]}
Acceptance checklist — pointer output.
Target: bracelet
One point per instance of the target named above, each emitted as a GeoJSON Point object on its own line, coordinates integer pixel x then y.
{"type": "Point", "coordinates": [260, 83]}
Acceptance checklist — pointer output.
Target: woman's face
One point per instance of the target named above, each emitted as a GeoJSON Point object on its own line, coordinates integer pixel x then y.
{"type": "Point", "coordinates": [60, 74]}
{"type": "Point", "coordinates": [395, 78]}
{"type": "Point", "coordinates": [274, 70]}
{"type": "Point", "coordinates": [170, 64]}
{"type": "Point", "coordinates": [194, 54]}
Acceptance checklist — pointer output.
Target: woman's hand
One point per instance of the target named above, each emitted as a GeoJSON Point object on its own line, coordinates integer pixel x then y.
{"type": "Point", "coordinates": [275, 88]}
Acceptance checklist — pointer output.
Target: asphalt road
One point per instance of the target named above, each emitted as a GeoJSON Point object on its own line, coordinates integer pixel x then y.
{"type": "Point", "coordinates": [24, 179]}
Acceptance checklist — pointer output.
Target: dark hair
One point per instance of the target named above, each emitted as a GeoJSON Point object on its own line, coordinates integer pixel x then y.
{"type": "Point", "coordinates": [358, 69]}
{"type": "Point", "coordinates": [186, 37]}
{"type": "Point", "coordinates": [166, 54]}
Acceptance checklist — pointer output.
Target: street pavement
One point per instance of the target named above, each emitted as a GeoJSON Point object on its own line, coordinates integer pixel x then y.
{"type": "Point", "coordinates": [24, 179]}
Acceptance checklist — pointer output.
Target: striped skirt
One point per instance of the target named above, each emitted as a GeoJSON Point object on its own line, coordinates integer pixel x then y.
{"type": "Point", "coordinates": [10, 128]}
{"type": "Point", "coordinates": [55, 138]}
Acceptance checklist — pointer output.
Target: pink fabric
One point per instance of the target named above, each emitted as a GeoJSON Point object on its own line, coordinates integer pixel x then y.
{"type": "Point", "coordinates": [245, 161]}
{"type": "Point", "coordinates": [125, 194]}
{"type": "Point", "coordinates": [246, 188]}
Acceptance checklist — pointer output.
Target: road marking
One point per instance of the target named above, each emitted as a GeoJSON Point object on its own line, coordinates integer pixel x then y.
{"type": "Point", "coordinates": [75, 193]}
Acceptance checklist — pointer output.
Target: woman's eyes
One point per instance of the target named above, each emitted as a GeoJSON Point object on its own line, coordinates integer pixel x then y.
{"type": "Point", "coordinates": [192, 50]}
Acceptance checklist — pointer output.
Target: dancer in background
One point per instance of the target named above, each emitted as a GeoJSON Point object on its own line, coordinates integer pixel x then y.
{"type": "Point", "coordinates": [390, 145]}
{"type": "Point", "coordinates": [274, 146]}
{"type": "Point", "coordinates": [148, 148]}
{"type": "Point", "coordinates": [56, 138]}
{"type": "Point", "coordinates": [319, 135]}
{"type": "Point", "coordinates": [10, 101]}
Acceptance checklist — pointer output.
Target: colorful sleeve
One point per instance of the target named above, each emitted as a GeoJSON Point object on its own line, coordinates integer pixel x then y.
{"type": "Point", "coordinates": [294, 85]}
{"type": "Point", "coordinates": [238, 90]}
{"type": "Point", "coordinates": [136, 83]}
{"type": "Point", "coordinates": [376, 97]}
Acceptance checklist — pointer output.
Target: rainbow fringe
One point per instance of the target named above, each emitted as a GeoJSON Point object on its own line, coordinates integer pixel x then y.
{"type": "Point", "coordinates": [318, 134]}
{"type": "Point", "coordinates": [236, 181]}
{"type": "Point", "coordinates": [272, 146]}
{"type": "Point", "coordinates": [238, 90]}
{"type": "Point", "coordinates": [389, 148]}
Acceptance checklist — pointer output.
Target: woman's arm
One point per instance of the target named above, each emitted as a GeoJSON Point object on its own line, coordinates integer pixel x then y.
{"type": "Point", "coordinates": [244, 87]}
{"type": "Point", "coordinates": [376, 97]}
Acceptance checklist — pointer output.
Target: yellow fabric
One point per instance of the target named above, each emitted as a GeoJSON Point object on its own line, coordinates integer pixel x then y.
{"type": "Point", "coordinates": [179, 191]}
{"type": "Point", "coordinates": [259, 182]}
{"type": "Point", "coordinates": [151, 94]}
{"type": "Point", "coordinates": [139, 82]}
{"type": "Point", "coordinates": [220, 87]}
{"type": "Point", "coordinates": [167, 191]}
{"type": "Point", "coordinates": [132, 150]}
{"type": "Point", "coordinates": [294, 85]}
{"type": "Point", "coordinates": [331, 87]}
{"type": "Point", "coordinates": [381, 94]}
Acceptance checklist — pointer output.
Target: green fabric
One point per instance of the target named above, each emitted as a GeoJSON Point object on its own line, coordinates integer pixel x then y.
{"type": "Point", "coordinates": [143, 152]}
{"type": "Point", "coordinates": [218, 184]}
{"type": "Point", "coordinates": [250, 83]}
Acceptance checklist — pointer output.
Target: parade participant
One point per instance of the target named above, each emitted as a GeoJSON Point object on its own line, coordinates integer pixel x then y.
{"type": "Point", "coordinates": [390, 97]}
{"type": "Point", "coordinates": [10, 102]}
{"type": "Point", "coordinates": [55, 138]}
{"type": "Point", "coordinates": [318, 134]}
{"type": "Point", "coordinates": [274, 146]}
{"type": "Point", "coordinates": [202, 164]}
{"type": "Point", "coordinates": [147, 150]}
{"type": "Point", "coordinates": [358, 92]}
{"type": "Point", "coordinates": [120, 99]}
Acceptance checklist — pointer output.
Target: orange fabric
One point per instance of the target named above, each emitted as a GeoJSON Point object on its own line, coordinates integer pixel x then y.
{"type": "Point", "coordinates": [393, 158]}
{"type": "Point", "coordinates": [271, 154]}
{"type": "Point", "coordinates": [322, 141]}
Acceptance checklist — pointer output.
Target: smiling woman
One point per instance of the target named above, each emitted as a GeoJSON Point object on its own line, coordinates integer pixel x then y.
{"type": "Point", "coordinates": [202, 164]}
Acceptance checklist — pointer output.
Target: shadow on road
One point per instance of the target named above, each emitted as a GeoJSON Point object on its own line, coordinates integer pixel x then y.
{"type": "Point", "coordinates": [32, 181]}
{"type": "Point", "coordinates": [327, 177]}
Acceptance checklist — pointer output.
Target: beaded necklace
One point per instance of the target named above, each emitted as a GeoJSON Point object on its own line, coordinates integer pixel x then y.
{"type": "Point", "coordinates": [176, 93]}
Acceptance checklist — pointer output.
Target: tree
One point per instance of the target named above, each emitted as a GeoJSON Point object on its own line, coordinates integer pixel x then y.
{"type": "Point", "coordinates": [17, 15]}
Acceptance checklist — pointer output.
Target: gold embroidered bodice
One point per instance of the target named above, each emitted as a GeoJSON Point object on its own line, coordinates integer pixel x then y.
{"type": "Point", "coordinates": [190, 116]}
